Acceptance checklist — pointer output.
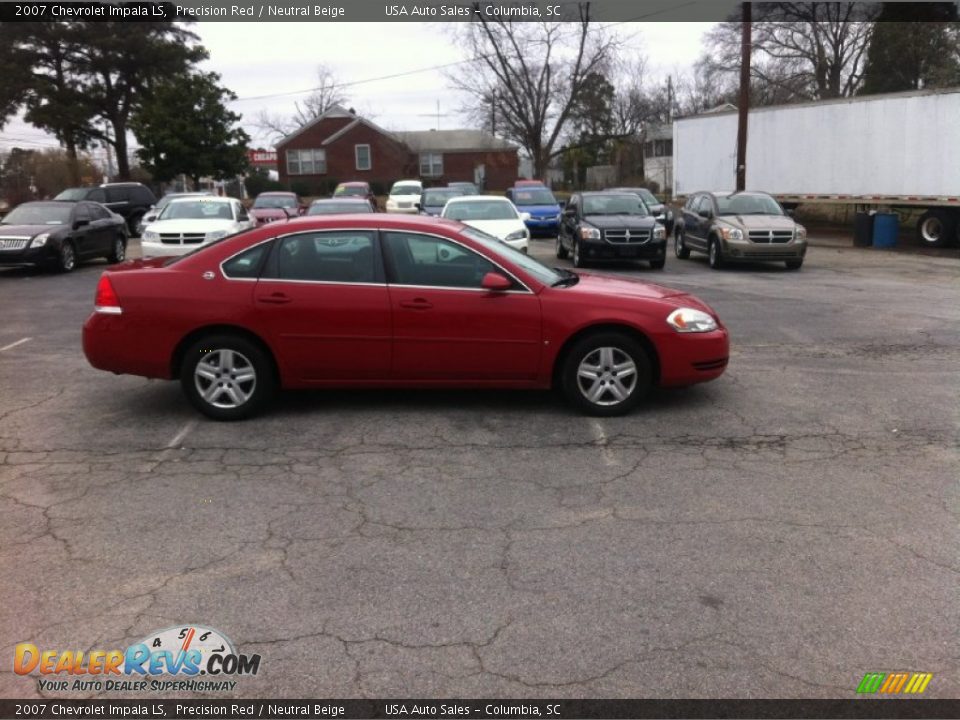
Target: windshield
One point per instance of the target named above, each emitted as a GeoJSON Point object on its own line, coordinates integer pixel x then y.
{"type": "Point", "coordinates": [351, 190]}
{"type": "Point", "coordinates": [275, 201]}
{"type": "Point", "coordinates": [407, 189]}
{"type": "Point", "coordinates": [197, 210]}
{"type": "Point", "coordinates": [534, 267]}
{"type": "Point", "coordinates": [740, 204]}
{"type": "Point", "coordinates": [341, 208]}
{"type": "Point", "coordinates": [613, 205]}
{"type": "Point", "coordinates": [73, 194]}
{"type": "Point", "coordinates": [533, 196]}
{"type": "Point", "coordinates": [38, 214]}
{"type": "Point", "coordinates": [481, 210]}
{"type": "Point", "coordinates": [438, 197]}
{"type": "Point", "coordinates": [465, 187]}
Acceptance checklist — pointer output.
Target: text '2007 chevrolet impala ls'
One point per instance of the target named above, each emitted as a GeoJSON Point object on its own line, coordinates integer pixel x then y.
{"type": "Point", "coordinates": [393, 301]}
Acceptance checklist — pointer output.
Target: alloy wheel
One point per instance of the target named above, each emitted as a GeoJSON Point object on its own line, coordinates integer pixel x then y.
{"type": "Point", "coordinates": [607, 376]}
{"type": "Point", "coordinates": [225, 379]}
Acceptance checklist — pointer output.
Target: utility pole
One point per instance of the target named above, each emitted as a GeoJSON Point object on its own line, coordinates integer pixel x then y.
{"type": "Point", "coordinates": [744, 103]}
{"type": "Point", "coordinates": [106, 146]}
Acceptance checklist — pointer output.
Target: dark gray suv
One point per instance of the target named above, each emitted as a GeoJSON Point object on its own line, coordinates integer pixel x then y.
{"type": "Point", "coordinates": [130, 200]}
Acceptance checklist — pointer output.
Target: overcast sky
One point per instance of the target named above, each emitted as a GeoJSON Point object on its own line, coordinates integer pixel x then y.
{"type": "Point", "coordinates": [280, 58]}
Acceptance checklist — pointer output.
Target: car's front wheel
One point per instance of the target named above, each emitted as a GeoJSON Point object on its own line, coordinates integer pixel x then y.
{"type": "Point", "coordinates": [67, 257]}
{"type": "Point", "coordinates": [715, 254]}
{"type": "Point", "coordinates": [227, 377]}
{"type": "Point", "coordinates": [577, 257]}
{"type": "Point", "coordinates": [561, 250]}
{"type": "Point", "coordinates": [794, 264]}
{"type": "Point", "coordinates": [680, 248]}
{"type": "Point", "coordinates": [606, 374]}
{"type": "Point", "coordinates": [657, 264]}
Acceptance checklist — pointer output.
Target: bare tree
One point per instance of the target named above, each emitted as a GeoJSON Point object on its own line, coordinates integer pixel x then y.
{"type": "Point", "coordinates": [526, 76]}
{"type": "Point", "coordinates": [328, 92]}
{"type": "Point", "coordinates": [801, 51]}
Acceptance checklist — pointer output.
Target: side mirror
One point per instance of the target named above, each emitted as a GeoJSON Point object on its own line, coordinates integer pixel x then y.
{"type": "Point", "coordinates": [524, 216]}
{"type": "Point", "coordinates": [705, 214]}
{"type": "Point", "coordinates": [495, 282]}
{"type": "Point", "coordinates": [80, 223]}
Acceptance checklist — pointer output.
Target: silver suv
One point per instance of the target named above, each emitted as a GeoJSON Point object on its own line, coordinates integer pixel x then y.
{"type": "Point", "coordinates": [748, 226]}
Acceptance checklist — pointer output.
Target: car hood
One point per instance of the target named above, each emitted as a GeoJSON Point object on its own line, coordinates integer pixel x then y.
{"type": "Point", "coordinates": [539, 210]}
{"type": "Point", "coordinates": [759, 222]}
{"type": "Point", "coordinates": [191, 225]}
{"type": "Point", "coordinates": [271, 213]}
{"type": "Point", "coordinates": [622, 287]}
{"type": "Point", "coordinates": [404, 198]}
{"type": "Point", "coordinates": [20, 231]}
{"type": "Point", "coordinates": [633, 222]}
{"type": "Point", "coordinates": [498, 228]}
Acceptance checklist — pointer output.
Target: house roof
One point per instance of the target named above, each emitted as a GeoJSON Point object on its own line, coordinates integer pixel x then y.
{"type": "Point", "coordinates": [334, 111]}
{"type": "Point", "coordinates": [452, 140]}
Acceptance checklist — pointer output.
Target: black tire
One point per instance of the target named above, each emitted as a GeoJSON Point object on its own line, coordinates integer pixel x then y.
{"type": "Point", "coordinates": [680, 248]}
{"type": "Point", "coordinates": [590, 350]}
{"type": "Point", "coordinates": [561, 250]}
{"type": "Point", "coordinates": [936, 228]}
{"type": "Point", "coordinates": [133, 224]}
{"type": "Point", "coordinates": [577, 259]}
{"type": "Point", "coordinates": [657, 264]}
{"type": "Point", "coordinates": [794, 264]}
{"type": "Point", "coordinates": [66, 257]}
{"type": "Point", "coordinates": [246, 358]}
{"type": "Point", "coordinates": [118, 251]}
{"type": "Point", "coordinates": [715, 254]}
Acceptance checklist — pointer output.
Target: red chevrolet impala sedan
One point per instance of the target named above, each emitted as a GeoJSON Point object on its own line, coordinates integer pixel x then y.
{"type": "Point", "coordinates": [392, 301]}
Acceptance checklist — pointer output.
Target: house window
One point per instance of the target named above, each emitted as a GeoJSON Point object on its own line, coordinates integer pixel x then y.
{"type": "Point", "coordinates": [431, 164]}
{"type": "Point", "coordinates": [362, 153]}
{"type": "Point", "coordinates": [306, 162]}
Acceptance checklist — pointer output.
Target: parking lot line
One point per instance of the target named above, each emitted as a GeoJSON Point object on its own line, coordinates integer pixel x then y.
{"type": "Point", "coordinates": [21, 341]}
{"type": "Point", "coordinates": [184, 431]}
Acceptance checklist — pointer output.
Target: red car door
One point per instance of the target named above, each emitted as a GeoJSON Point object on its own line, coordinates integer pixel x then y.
{"type": "Point", "coordinates": [445, 326]}
{"type": "Point", "coordinates": [323, 304]}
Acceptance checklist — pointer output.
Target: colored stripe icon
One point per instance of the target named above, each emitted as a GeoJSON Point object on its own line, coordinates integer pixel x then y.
{"type": "Point", "coordinates": [894, 683]}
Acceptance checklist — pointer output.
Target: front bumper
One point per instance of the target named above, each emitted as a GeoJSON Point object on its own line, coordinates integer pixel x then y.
{"type": "Point", "coordinates": [394, 208]}
{"type": "Point", "coordinates": [43, 255]}
{"type": "Point", "coordinates": [687, 359]}
{"type": "Point", "coordinates": [603, 250]}
{"type": "Point", "coordinates": [747, 251]}
{"type": "Point", "coordinates": [161, 249]}
{"type": "Point", "coordinates": [542, 225]}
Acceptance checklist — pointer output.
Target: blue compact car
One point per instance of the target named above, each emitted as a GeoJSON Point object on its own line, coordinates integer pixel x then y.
{"type": "Point", "coordinates": [542, 206]}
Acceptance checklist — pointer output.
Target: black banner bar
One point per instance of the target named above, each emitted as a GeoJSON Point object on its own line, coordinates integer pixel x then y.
{"type": "Point", "coordinates": [481, 709]}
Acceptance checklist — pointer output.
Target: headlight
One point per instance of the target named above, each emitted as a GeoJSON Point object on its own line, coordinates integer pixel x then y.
{"type": "Point", "coordinates": [689, 320]}
{"type": "Point", "coordinates": [659, 232]}
{"type": "Point", "coordinates": [800, 233]}
{"type": "Point", "coordinates": [40, 240]}
{"type": "Point", "coordinates": [516, 235]}
{"type": "Point", "coordinates": [151, 236]}
{"type": "Point", "coordinates": [589, 233]}
{"type": "Point", "coordinates": [216, 235]}
{"type": "Point", "coordinates": [730, 233]}
{"type": "Point", "coordinates": [391, 202]}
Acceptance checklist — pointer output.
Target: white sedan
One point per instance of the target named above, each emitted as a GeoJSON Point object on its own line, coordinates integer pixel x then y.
{"type": "Point", "coordinates": [188, 222]}
{"type": "Point", "coordinates": [493, 215]}
{"type": "Point", "coordinates": [404, 196]}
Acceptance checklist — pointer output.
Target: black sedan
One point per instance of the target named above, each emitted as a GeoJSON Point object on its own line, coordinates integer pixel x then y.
{"type": "Point", "coordinates": [59, 234]}
{"type": "Point", "coordinates": [659, 210]}
{"type": "Point", "coordinates": [610, 226]}
{"type": "Point", "coordinates": [433, 199]}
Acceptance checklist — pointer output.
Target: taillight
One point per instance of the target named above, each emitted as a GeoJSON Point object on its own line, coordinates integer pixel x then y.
{"type": "Point", "coordinates": [106, 300]}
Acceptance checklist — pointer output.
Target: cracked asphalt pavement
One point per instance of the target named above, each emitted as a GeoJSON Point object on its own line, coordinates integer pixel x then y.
{"type": "Point", "coordinates": [776, 533]}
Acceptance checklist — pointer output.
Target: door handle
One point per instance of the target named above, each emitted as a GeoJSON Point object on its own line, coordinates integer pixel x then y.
{"type": "Point", "coordinates": [416, 304]}
{"type": "Point", "coordinates": [276, 298]}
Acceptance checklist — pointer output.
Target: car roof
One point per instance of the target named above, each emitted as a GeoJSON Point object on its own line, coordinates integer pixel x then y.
{"type": "Point", "coordinates": [341, 200]}
{"type": "Point", "coordinates": [593, 193]}
{"type": "Point", "coordinates": [205, 198]}
{"type": "Point", "coordinates": [277, 192]}
{"type": "Point", "coordinates": [478, 198]}
{"type": "Point", "coordinates": [67, 203]}
{"type": "Point", "coordinates": [408, 182]}
{"type": "Point", "coordinates": [386, 221]}
{"type": "Point", "coordinates": [354, 183]}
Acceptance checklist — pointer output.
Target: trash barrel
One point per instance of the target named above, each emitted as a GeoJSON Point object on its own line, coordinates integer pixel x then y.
{"type": "Point", "coordinates": [886, 227]}
{"type": "Point", "coordinates": [863, 229]}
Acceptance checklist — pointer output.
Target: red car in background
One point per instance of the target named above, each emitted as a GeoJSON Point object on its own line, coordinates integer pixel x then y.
{"type": "Point", "coordinates": [356, 189]}
{"type": "Point", "coordinates": [382, 300]}
{"type": "Point", "coordinates": [271, 206]}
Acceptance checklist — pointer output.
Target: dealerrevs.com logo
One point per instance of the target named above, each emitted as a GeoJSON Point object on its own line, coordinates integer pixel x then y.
{"type": "Point", "coordinates": [184, 652]}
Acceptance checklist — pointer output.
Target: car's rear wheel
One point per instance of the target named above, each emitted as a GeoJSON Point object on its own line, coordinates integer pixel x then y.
{"type": "Point", "coordinates": [133, 224]}
{"type": "Point", "coordinates": [118, 252]}
{"type": "Point", "coordinates": [577, 257]}
{"type": "Point", "coordinates": [561, 250]}
{"type": "Point", "coordinates": [657, 264]}
{"type": "Point", "coordinates": [680, 248]}
{"type": "Point", "coordinates": [606, 374]}
{"type": "Point", "coordinates": [227, 377]}
{"type": "Point", "coordinates": [715, 254]}
{"type": "Point", "coordinates": [67, 257]}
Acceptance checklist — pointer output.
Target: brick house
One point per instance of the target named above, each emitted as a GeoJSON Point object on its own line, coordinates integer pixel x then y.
{"type": "Point", "coordinates": [340, 146]}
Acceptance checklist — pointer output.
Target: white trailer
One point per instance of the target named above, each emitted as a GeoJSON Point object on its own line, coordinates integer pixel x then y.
{"type": "Point", "coordinates": [900, 150]}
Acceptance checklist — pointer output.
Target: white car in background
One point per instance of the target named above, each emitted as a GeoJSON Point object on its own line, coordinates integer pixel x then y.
{"type": "Point", "coordinates": [151, 215]}
{"type": "Point", "coordinates": [404, 196]}
{"type": "Point", "coordinates": [493, 215]}
{"type": "Point", "coordinates": [189, 222]}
